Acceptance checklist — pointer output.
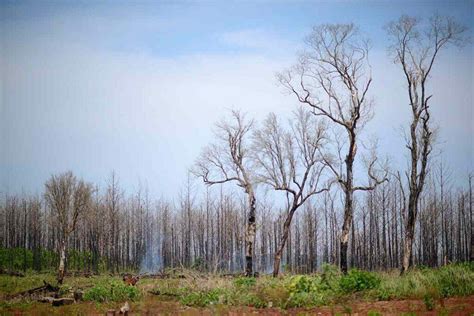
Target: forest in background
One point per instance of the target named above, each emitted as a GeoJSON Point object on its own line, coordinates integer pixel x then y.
{"type": "Point", "coordinates": [122, 232]}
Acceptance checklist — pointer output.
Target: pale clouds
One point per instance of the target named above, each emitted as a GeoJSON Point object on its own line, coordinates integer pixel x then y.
{"type": "Point", "coordinates": [93, 111]}
{"type": "Point", "coordinates": [84, 93]}
{"type": "Point", "coordinates": [259, 39]}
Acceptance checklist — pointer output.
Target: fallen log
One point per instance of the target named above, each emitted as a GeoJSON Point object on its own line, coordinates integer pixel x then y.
{"type": "Point", "coordinates": [46, 299]}
{"type": "Point", "coordinates": [11, 273]}
{"type": "Point", "coordinates": [62, 301]}
{"type": "Point", "coordinates": [158, 292]}
{"type": "Point", "coordinates": [43, 288]}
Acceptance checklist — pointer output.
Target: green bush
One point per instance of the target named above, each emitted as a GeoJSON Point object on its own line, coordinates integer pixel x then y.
{"type": "Point", "coordinates": [309, 291]}
{"type": "Point", "coordinates": [447, 281]}
{"type": "Point", "coordinates": [455, 279]}
{"type": "Point", "coordinates": [330, 277]}
{"type": "Point", "coordinates": [17, 259]}
{"type": "Point", "coordinates": [245, 282]}
{"type": "Point", "coordinates": [429, 302]}
{"type": "Point", "coordinates": [358, 280]}
{"type": "Point", "coordinates": [302, 283]}
{"type": "Point", "coordinates": [201, 298]}
{"type": "Point", "coordinates": [114, 291]}
{"type": "Point", "coordinates": [251, 299]}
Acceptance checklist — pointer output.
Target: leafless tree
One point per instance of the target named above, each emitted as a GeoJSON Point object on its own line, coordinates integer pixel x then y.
{"type": "Point", "coordinates": [471, 255]}
{"type": "Point", "coordinates": [68, 198]}
{"type": "Point", "coordinates": [291, 161]}
{"type": "Point", "coordinates": [415, 47]}
{"type": "Point", "coordinates": [229, 161]}
{"type": "Point", "coordinates": [333, 77]}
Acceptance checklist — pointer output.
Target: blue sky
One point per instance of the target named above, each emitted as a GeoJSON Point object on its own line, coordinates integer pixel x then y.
{"type": "Point", "coordinates": [99, 86]}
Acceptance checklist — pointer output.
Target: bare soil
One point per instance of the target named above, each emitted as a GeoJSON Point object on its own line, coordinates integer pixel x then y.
{"type": "Point", "coordinates": [153, 306]}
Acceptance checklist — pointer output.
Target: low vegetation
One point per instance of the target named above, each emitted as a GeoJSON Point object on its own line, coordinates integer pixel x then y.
{"type": "Point", "coordinates": [329, 287]}
{"type": "Point", "coordinates": [326, 288]}
{"type": "Point", "coordinates": [115, 291]}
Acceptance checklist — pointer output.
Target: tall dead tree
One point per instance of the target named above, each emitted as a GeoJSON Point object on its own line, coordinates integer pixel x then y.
{"type": "Point", "coordinates": [68, 198]}
{"type": "Point", "coordinates": [291, 162]}
{"type": "Point", "coordinates": [415, 47]}
{"type": "Point", "coordinates": [471, 256]}
{"type": "Point", "coordinates": [228, 160]}
{"type": "Point", "coordinates": [333, 77]}
{"type": "Point", "coordinates": [112, 204]}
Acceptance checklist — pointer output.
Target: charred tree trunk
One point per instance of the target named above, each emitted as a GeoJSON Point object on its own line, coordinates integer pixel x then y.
{"type": "Point", "coordinates": [250, 235]}
{"type": "Point", "coordinates": [348, 203]}
{"type": "Point", "coordinates": [284, 238]}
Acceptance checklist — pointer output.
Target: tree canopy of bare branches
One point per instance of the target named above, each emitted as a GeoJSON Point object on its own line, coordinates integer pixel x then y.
{"type": "Point", "coordinates": [69, 198]}
{"type": "Point", "coordinates": [333, 78]}
{"type": "Point", "coordinates": [229, 160]}
{"type": "Point", "coordinates": [291, 161]}
{"type": "Point", "coordinates": [415, 47]}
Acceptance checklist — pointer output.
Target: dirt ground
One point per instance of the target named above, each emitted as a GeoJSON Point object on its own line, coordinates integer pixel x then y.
{"type": "Point", "coordinates": [154, 306]}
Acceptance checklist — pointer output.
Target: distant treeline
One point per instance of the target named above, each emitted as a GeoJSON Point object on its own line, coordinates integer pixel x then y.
{"type": "Point", "coordinates": [206, 231]}
{"type": "Point", "coordinates": [327, 210]}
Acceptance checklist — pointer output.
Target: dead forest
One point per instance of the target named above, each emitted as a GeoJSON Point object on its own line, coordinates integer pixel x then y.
{"type": "Point", "coordinates": [281, 194]}
{"type": "Point", "coordinates": [119, 232]}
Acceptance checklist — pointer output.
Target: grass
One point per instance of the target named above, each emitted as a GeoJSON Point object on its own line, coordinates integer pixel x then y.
{"type": "Point", "coordinates": [112, 290]}
{"type": "Point", "coordinates": [447, 281]}
{"type": "Point", "coordinates": [329, 287]}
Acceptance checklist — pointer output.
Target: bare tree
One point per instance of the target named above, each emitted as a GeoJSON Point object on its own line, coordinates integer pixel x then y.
{"type": "Point", "coordinates": [291, 161]}
{"type": "Point", "coordinates": [415, 47]}
{"type": "Point", "coordinates": [471, 255]}
{"type": "Point", "coordinates": [68, 198]}
{"type": "Point", "coordinates": [229, 161]}
{"type": "Point", "coordinates": [333, 77]}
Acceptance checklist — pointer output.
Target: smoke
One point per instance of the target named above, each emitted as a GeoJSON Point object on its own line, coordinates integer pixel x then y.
{"type": "Point", "coordinates": [152, 261]}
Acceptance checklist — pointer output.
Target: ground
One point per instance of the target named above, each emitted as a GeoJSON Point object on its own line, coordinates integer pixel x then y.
{"type": "Point", "coordinates": [153, 306]}
{"type": "Point", "coordinates": [191, 293]}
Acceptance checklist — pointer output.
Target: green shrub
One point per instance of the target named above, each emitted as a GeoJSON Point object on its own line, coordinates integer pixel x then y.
{"type": "Point", "coordinates": [429, 302]}
{"type": "Point", "coordinates": [301, 283]}
{"type": "Point", "coordinates": [450, 280]}
{"type": "Point", "coordinates": [309, 291]}
{"type": "Point", "coordinates": [252, 299]}
{"type": "Point", "coordinates": [114, 291]}
{"type": "Point", "coordinates": [358, 280]}
{"type": "Point", "coordinates": [273, 291]}
{"type": "Point", "coordinates": [201, 298]}
{"type": "Point", "coordinates": [330, 277]}
{"type": "Point", "coordinates": [245, 282]}
{"type": "Point", "coordinates": [455, 280]}
{"type": "Point", "coordinates": [19, 259]}
{"type": "Point", "coordinates": [299, 299]}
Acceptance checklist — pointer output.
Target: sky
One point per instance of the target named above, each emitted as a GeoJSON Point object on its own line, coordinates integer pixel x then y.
{"type": "Point", "coordinates": [135, 87]}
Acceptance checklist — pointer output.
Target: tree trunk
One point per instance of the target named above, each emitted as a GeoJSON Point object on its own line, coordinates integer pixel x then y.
{"type": "Point", "coordinates": [62, 261]}
{"type": "Point", "coordinates": [250, 236]}
{"type": "Point", "coordinates": [410, 233]}
{"type": "Point", "coordinates": [348, 190]}
{"type": "Point", "coordinates": [284, 238]}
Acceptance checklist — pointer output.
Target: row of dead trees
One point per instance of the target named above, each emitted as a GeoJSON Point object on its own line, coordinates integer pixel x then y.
{"type": "Point", "coordinates": [206, 230]}
{"type": "Point", "coordinates": [308, 161]}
